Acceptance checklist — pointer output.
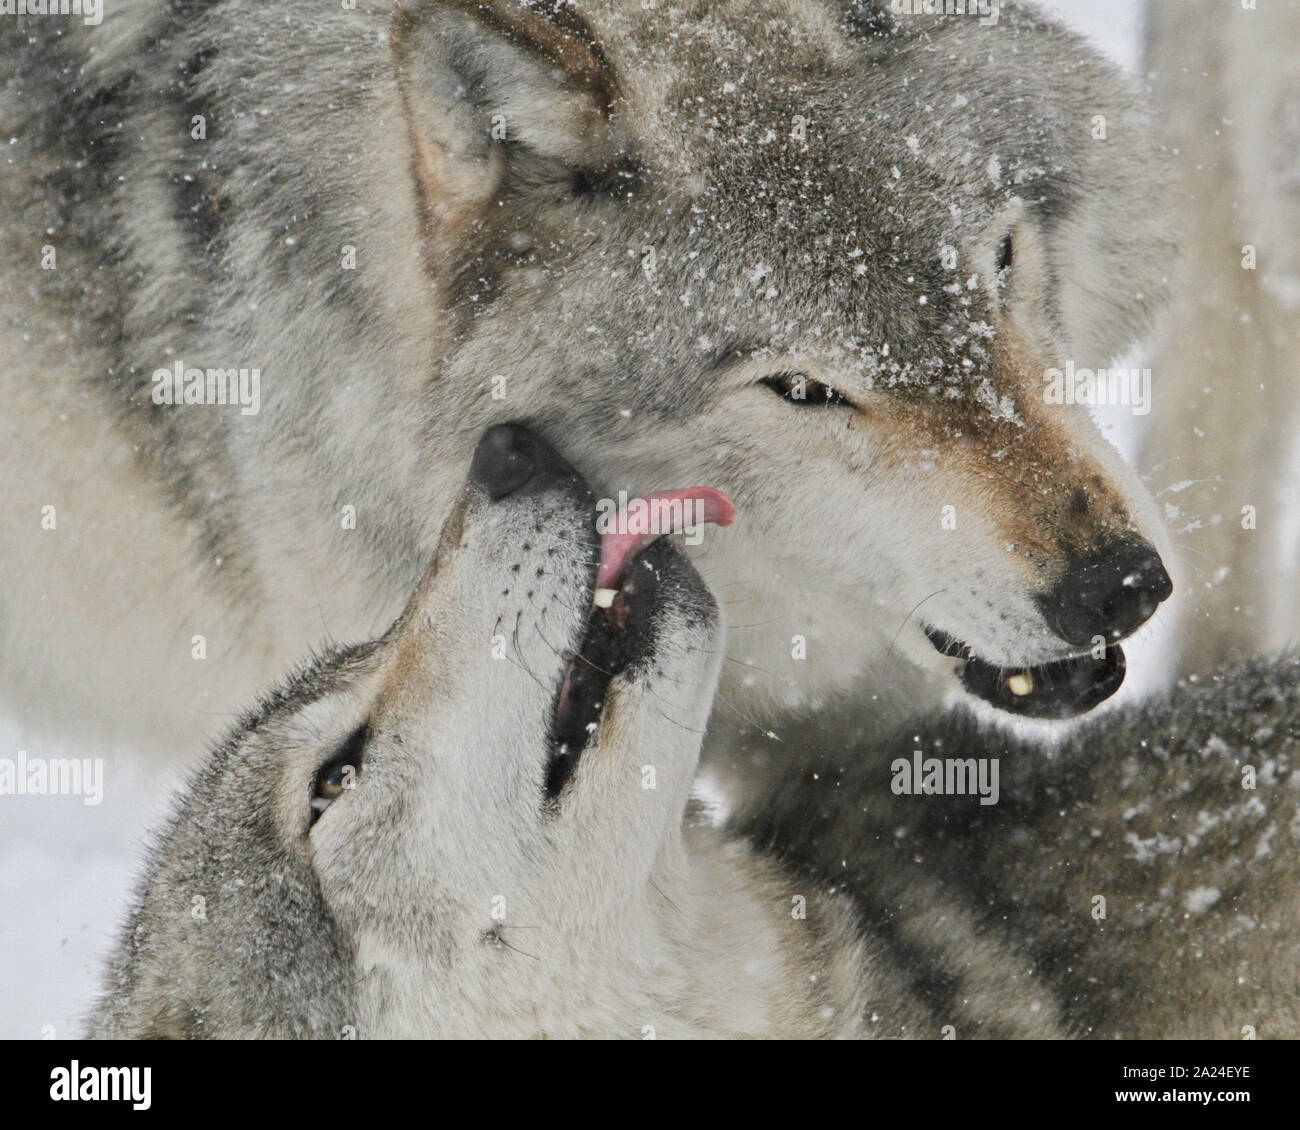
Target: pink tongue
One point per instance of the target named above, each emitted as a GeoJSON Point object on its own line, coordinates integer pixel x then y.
{"type": "Point", "coordinates": [644, 519]}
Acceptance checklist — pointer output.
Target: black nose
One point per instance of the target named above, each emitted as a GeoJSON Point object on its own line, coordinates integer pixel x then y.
{"type": "Point", "coordinates": [509, 458]}
{"type": "Point", "coordinates": [1108, 594]}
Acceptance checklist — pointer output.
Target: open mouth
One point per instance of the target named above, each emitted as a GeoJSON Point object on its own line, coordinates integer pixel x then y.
{"type": "Point", "coordinates": [1063, 689]}
{"type": "Point", "coordinates": [625, 592]}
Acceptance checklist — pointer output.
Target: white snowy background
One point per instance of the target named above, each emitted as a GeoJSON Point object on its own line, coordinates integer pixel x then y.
{"type": "Point", "coordinates": [66, 868]}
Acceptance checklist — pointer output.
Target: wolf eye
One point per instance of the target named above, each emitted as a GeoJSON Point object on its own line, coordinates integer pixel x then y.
{"type": "Point", "coordinates": [339, 773]}
{"type": "Point", "coordinates": [802, 391]}
{"type": "Point", "coordinates": [1004, 253]}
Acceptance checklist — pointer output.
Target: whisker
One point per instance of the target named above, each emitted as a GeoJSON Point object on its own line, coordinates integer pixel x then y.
{"type": "Point", "coordinates": [756, 624]}
{"type": "Point", "coordinates": [515, 949]}
{"type": "Point", "coordinates": [665, 897]}
{"type": "Point", "coordinates": [889, 650]}
{"type": "Point", "coordinates": [680, 725]}
{"type": "Point", "coordinates": [751, 721]}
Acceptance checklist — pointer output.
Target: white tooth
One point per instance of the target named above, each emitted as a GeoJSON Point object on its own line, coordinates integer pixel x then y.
{"type": "Point", "coordinates": [603, 598]}
{"type": "Point", "coordinates": [1021, 684]}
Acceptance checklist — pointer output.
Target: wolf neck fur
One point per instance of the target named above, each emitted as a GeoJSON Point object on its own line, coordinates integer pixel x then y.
{"type": "Point", "coordinates": [705, 947]}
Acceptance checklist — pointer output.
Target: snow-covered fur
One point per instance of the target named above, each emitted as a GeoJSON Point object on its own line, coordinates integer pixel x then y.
{"type": "Point", "coordinates": [1146, 869]}
{"type": "Point", "coordinates": [638, 227]}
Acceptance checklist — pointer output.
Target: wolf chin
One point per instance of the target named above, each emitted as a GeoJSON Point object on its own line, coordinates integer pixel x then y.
{"type": "Point", "coordinates": [812, 252]}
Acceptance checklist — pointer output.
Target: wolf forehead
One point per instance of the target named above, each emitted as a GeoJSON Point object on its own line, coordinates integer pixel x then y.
{"type": "Point", "coordinates": [966, 116]}
{"type": "Point", "coordinates": [806, 177]}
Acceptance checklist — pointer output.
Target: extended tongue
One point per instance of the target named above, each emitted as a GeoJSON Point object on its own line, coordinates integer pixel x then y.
{"type": "Point", "coordinates": [642, 520]}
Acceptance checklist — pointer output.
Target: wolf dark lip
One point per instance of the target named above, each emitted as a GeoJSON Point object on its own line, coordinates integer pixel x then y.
{"type": "Point", "coordinates": [1065, 688]}
{"type": "Point", "coordinates": [616, 637]}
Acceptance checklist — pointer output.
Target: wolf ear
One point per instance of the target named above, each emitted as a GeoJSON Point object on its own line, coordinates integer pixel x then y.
{"type": "Point", "coordinates": [483, 78]}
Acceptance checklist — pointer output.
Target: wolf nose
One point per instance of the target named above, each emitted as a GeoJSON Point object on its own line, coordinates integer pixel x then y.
{"type": "Point", "coordinates": [509, 457]}
{"type": "Point", "coordinates": [1109, 594]}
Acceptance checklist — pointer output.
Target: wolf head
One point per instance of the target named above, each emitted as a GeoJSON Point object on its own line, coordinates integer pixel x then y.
{"type": "Point", "coordinates": [835, 255]}
{"type": "Point", "coordinates": [454, 829]}
{"type": "Point", "coordinates": [818, 253]}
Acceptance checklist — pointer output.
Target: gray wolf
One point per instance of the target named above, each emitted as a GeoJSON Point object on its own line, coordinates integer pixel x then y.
{"type": "Point", "coordinates": [811, 251]}
{"type": "Point", "coordinates": [477, 826]}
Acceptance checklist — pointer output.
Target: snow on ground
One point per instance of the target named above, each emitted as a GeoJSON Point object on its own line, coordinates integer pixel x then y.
{"type": "Point", "coordinates": [66, 868]}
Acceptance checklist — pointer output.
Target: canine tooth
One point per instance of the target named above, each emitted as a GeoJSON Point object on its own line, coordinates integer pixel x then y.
{"type": "Point", "coordinates": [603, 598]}
{"type": "Point", "coordinates": [1021, 684]}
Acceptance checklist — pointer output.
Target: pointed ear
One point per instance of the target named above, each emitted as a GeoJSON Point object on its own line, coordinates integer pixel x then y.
{"type": "Point", "coordinates": [481, 80]}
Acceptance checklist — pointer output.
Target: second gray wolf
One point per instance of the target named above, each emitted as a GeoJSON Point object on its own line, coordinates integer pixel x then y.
{"type": "Point", "coordinates": [480, 825]}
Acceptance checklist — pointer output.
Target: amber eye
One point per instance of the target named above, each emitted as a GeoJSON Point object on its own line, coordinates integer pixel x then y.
{"type": "Point", "coordinates": [331, 788]}
{"type": "Point", "coordinates": [339, 773]}
{"type": "Point", "coordinates": [803, 392]}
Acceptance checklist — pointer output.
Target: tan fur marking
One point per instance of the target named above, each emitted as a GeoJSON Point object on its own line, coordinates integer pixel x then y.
{"type": "Point", "coordinates": [1028, 474]}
